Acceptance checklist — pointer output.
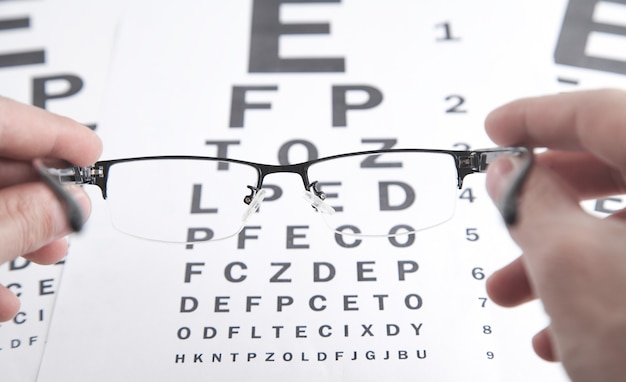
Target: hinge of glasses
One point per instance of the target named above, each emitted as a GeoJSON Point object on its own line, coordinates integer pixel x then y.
{"type": "Point", "coordinates": [94, 172]}
{"type": "Point", "coordinates": [474, 162]}
{"type": "Point", "coordinates": [89, 174]}
{"type": "Point", "coordinates": [78, 175]}
{"type": "Point", "coordinates": [469, 162]}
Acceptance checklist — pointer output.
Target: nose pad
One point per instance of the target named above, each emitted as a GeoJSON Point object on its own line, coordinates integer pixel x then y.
{"type": "Point", "coordinates": [318, 203]}
{"type": "Point", "coordinates": [254, 205]}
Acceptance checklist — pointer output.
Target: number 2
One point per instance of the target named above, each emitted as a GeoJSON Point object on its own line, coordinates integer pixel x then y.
{"type": "Point", "coordinates": [457, 101]}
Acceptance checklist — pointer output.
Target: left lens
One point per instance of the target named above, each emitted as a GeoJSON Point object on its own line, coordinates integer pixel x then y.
{"type": "Point", "coordinates": [387, 194]}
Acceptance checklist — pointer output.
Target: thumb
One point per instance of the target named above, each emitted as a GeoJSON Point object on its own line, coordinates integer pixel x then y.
{"type": "Point", "coordinates": [543, 203]}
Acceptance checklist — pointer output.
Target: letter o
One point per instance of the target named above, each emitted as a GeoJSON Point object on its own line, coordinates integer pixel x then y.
{"type": "Point", "coordinates": [183, 333]}
{"type": "Point", "coordinates": [393, 236]}
{"type": "Point", "coordinates": [418, 301]}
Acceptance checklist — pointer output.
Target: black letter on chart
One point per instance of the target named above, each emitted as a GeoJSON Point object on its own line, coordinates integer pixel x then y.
{"type": "Point", "coordinates": [30, 57]}
{"type": "Point", "coordinates": [341, 106]}
{"type": "Point", "coordinates": [265, 36]}
{"type": "Point", "coordinates": [239, 105]}
{"type": "Point", "coordinates": [578, 25]}
{"type": "Point", "coordinates": [283, 268]}
{"type": "Point", "coordinates": [73, 84]}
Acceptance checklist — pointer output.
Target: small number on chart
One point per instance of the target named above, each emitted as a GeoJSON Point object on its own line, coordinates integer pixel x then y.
{"type": "Point", "coordinates": [483, 301]}
{"type": "Point", "coordinates": [468, 195]}
{"type": "Point", "coordinates": [478, 273]}
{"type": "Point", "coordinates": [461, 146]}
{"type": "Point", "coordinates": [456, 102]}
{"type": "Point", "coordinates": [471, 234]}
{"type": "Point", "coordinates": [447, 32]}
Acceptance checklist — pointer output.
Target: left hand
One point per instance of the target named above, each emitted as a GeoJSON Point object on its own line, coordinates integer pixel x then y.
{"type": "Point", "coordinates": [32, 220]}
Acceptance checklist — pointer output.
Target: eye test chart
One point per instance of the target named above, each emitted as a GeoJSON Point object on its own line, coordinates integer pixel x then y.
{"type": "Point", "coordinates": [282, 82]}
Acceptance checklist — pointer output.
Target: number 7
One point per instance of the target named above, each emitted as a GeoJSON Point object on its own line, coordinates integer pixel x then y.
{"type": "Point", "coordinates": [484, 301]}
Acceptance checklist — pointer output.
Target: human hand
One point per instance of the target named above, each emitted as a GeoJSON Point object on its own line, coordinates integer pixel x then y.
{"type": "Point", "coordinates": [573, 262]}
{"type": "Point", "coordinates": [33, 223]}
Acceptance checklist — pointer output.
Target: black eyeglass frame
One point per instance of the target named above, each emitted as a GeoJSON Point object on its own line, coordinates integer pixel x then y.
{"type": "Point", "coordinates": [466, 161]}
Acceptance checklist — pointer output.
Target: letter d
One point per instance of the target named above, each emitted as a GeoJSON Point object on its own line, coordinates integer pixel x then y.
{"type": "Point", "coordinates": [385, 203]}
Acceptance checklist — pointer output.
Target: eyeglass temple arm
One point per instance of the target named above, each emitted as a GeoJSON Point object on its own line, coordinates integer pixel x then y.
{"type": "Point", "coordinates": [479, 161]}
{"type": "Point", "coordinates": [55, 178]}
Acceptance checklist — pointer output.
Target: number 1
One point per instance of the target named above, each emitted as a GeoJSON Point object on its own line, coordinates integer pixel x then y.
{"type": "Point", "coordinates": [447, 32]}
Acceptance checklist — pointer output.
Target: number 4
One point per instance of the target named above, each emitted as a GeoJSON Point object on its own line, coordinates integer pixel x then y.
{"type": "Point", "coordinates": [468, 195]}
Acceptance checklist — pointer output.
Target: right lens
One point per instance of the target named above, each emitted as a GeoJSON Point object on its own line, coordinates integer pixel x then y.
{"type": "Point", "coordinates": [179, 200]}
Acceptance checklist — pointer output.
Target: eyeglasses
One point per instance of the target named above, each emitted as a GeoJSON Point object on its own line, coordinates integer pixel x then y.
{"type": "Point", "coordinates": [189, 199]}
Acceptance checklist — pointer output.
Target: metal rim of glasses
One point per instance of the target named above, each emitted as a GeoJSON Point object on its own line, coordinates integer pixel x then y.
{"type": "Point", "coordinates": [467, 162]}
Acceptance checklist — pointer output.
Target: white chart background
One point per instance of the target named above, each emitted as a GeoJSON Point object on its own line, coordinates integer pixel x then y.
{"type": "Point", "coordinates": [172, 72]}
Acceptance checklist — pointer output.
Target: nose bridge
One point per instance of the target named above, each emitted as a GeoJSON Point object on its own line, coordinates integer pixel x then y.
{"type": "Point", "coordinates": [298, 168]}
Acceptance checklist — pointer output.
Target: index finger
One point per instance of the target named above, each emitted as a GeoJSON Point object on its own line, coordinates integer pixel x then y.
{"type": "Point", "coordinates": [28, 132]}
{"type": "Point", "coordinates": [594, 121]}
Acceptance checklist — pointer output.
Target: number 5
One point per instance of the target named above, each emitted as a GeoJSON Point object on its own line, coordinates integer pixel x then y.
{"type": "Point", "coordinates": [471, 234]}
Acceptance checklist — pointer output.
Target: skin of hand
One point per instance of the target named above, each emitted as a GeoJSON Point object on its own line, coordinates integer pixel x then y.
{"type": "Point", "coordinates": [575, 263]}
{"type": "Point", "coordinates": [32, 220]}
